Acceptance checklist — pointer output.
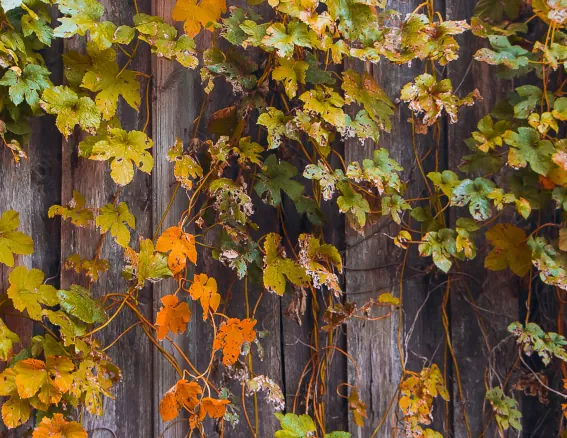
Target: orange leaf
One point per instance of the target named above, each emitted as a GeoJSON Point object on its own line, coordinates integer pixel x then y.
{"type": "Point", "coordinates": [196, 15]}
{"type": "Point", "coordinates": [230, 337]}
{"type": "Point", "coordinates": [58, 427]}
{"type": "Point", "coordinates": [181, 395]}
{"type": "Point", "coordinates": [173, 316]}
{"type": "Point", "coordinates": [205, 290]}
{"type": "Point", "coordinates": [215, 408]}
{"type": "Point", "coordinates": [181, 245]}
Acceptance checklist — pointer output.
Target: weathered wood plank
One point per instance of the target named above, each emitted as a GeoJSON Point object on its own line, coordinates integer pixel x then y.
{"type": "Point", "coordinates": [131, 413]}
{"type": "Point", "coordinates": [482, 303]}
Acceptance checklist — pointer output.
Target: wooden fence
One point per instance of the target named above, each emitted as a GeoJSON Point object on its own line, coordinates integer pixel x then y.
{"type": "Point", "coordinates": [475, 314]}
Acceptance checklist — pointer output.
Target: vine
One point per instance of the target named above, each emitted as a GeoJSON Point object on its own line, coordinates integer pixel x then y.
{"type": "Point", "coordinates": [295, 99]}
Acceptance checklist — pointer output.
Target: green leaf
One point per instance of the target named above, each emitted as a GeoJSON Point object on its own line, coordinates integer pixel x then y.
{"type": "Point", "coordinates": [105, 78]}
{"type": "Point", "coordinates": [70, 110]}
{"type": "Point", "coordinates": [505, 409]}
{"type": "Point", "coordinates": [147, 265]}
{"type": "Point", "coordinates": [513, 57]}
{"type": "Point", "coordinates": [235, 67]}
{"type": "Point", "coordinates": [124, 150]}
{"type": "Point", "coordinates": [275, 178]}
{"type": "Point", "coordinates": [475, 194]}
{"type": "Point", "coordinates": [446, 181]}
{"type": "Point", "coordinates": [489, 134]}
{"type": "Point", "coordinates": [75, 211]}
{"type": "Point", "coordinates": [441, 245]}
{"type": "Point", "coordinates": [278, 268]}
{"type": "Point", "coordinates": [364, 90]}
{"type": "Point", "coordinates": [290, 72]}
{"type": "Point", "coordinates": [528, 148]}
{"type": "Point", "coordinates": [275, 122]}
{"type": "Point", "coordinates": [295, 426]}
{"type": "Point", "coordinates": [316, 76]}
{"type": "Point", "coordinates": [114, 219]}
{"type": "Point", "coordinates": [28, 292]}
{"type": "Point", "coordinates": [284, 40]}
{"type": "Point", "coordinates": [382, 171]}
{"type": "Point", "coordinates": [12, 241]}
{"type": "Point", "coordinates": [77, 302]}
{"type": "Point", "coordinates": [26, 85]}
{"type": "Point", "coordinates": [38, 25]}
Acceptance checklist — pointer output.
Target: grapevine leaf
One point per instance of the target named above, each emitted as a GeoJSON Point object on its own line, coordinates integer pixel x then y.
{"type": "Point", "coordinates": [12, 241]}
{"type": "Point", "coordinates": [204, 289]}
{"type": "Point", "coordinates": [114, 219]}
{"type": "Point", "coordinates": [232, 334]}
{"type": "Point", "coordinates": [278, 268]}
{"type": "Point", "coordinates": [182, 247]}
{"type": "Point", "coordinates": [275, 178]}
{"type": "Point", "coordinates": [510, 249]}
{"type": "Point", "coordinates": [290, 72]}
{"type": "Point", "coordinates": [75, 211]}
{"type": "Point", "coordinates": [28, 292]}
{"type": "Point", "coordinates": [172, 317]}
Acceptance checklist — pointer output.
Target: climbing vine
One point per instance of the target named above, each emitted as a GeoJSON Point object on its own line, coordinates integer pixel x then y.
{"type": "Point", "coordinates": [295, 101]}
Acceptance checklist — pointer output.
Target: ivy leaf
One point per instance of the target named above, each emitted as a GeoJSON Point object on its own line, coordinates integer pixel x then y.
{"type": "Point", "coordinates": [510, 249]}
{"type": "Point", "coordinates": [353, 204]}
{"type": "Point", "coordinates": [57, 426]}
{"type": "Point", "coordinates": [278, 268]}
{"type": "Point", "coordinates": [114, 219]}
{"type": "Point", "coordinates": [7, 340]}
{"type": "Point", "coordinates": [182, 247]}
{"type": "Point", "coordinates": [364, 90]}
{"type": "Point", "coordinates": [285, 39]}
{"type": "Point", "coordinates": [475, 194]}
{"type": "Point", "coordinates": [28, 292]}
{"type": "Point", "coordinates": [446, 181]}
{"type": "Point", "coordinates": [441, 245]}
{"type": "Point", "coordinates": [77, 302]}
{"type": "Point", "coordinates": [146, 265]}
{"type": "Point", "coordinates": [27, 84]}
{"type": "Point", "coordinates": [124, 150]}
{"type": "Point", "coordinates": [183, 394]}
{"type": "Point", "coordinates": [70, 110]}
{"type": "Point", "coordinates": [504, 53]}
{"type": "Point", "coordinates": [274, 121]}
{"type": "Point", "coordinates": [205, 289]}
{"type": "Point", "coordinates": [12, 241]}
{"type": "Point", "coordinates": [232, 334]}
{"type": "Point", "coordinates": [172, 317]}
{"type": "Point", "coordinates": [75, 211]}
{"type": "Point", "coordinates": [527, 148]}
{"type": "Point", "coordinates": [110, 82]}
{"type": "Point", "coordinates": [290, 72]}
{"type": "Point", "coordinates": [275, 177]}
{"type": "Point", "coordinates": [295, 426]}
{"type": "Point", "coordinates": [205, 13]}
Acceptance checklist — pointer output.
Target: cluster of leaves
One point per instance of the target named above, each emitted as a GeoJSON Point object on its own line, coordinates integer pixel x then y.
{"type": "Point", "coordinates": [294, 95]}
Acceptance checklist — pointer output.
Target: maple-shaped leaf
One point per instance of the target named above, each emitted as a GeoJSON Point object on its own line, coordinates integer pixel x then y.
{"type": "Point", "coordinates": [75, 211]}
{"type": "Point", "coordinates": [510, 249]}
{"type": "Point", "coordinates": [91, 381]}
{"type": "Point", "coordinates": [109, 81]}
{"type": "Point", "coordinates": [146, 264]}
{"type": "Point", "coordinates": [196, 14]}
{"type": "Point", "coordinates": [26, 84]}
{"type": "Point", "coordinates": [92, 268]}
{"type": "Point", "coordinates": [173, 316]}
{"type": "Point", "coordinates": [12, 241]}
{"type": "Point", "coordinates": [124, 150]}
{"type": "Point", "coordinates": [58, 427]}
{"type": "Point", "coordinates": [505, 409]}
{"type": "Point", "coordinates": [357, 407]}
{"type": "Point", "coordinates": [284, 38]}
{"type": "Point", "coordinates": [70, 110]}
{"type": "Point", "coordinates": [328, 104]}
{"type": "Point", "coordinates": [276, 177]}
{"type": "Point", "coordinates": [28, 292]}
{"type": "Point", "coordinates": [248, 152]}
{"type": "Point", "coordinates": [489, 134]}
{"type": "Point", "coordinates": [181, 245]}
{"type": "Point", "coordinates": [205, 290]}
{"type": "Point", "coordinates": [446, 181]}
{"type": "Point", "coordinates": [278, 268]}
{"type": "Point", "coordinates": [114, 219]}
{"type": "Point", "coordinates": [353, 205]}
{"type": "Point", "coordinates": [186, 168]}
{"type": "Point", "coordinates": [318, 260]}
{"type": "Point", "coordinates": [364, 90]}
{"type": "Point", "coordinates": [77, 302]}
{"type": "Point", "coordinates": [275, 121]}
{"type": "Point", "coordinates": [182, 395]}
{"type": "Point", "coordinates": [441, 245]}
{"type": "Point", "coordinates": [290, 72]}
{"type": "Point", "coordinates": [293, 425]}
{"type": "Point", "coordinates": [527, 148]}
{"type": "Point", "coordinates": [476, 195]}
{"type": "Point", "coordinates": [213, 407]}
{"type": "Point", "coordinates": [7, 340]}
{"type": "Point", "coordinates": [232, 334]}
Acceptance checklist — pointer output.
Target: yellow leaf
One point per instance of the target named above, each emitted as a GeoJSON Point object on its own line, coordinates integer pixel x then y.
{"type": "Point", "coordinates": [58, 427]}
{"type": "Point", "coordinates": [181, 245]}
{"type": "Point", "coordinates": [15, 411]}
{"type": "Point", "coordinates": [174, 316]}
{"type": "Point", "coordinates": [205, 290]}
{"type": "Point", "coordinates": [195, 15]}
{"type": "Point", "coordinates": [510, 249]}
{"type": "Point", "coordinates": [31, 375]}
{"type": "Point", "coordinates": [230, 337]}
